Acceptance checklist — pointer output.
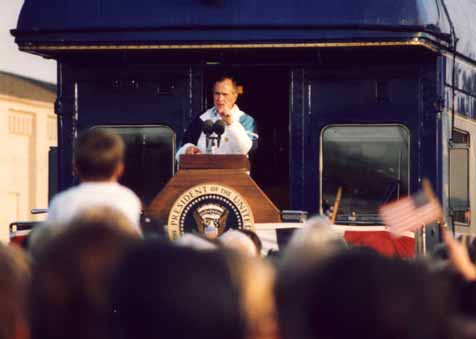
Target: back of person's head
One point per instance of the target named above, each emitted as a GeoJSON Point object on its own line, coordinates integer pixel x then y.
{"type": "Point", "coordinates": [314, 242]}
{"type": "Point", "coordinates": [309, 247]}
{"type": "Point", "coordinates": [168, 291]}
{"type": "Point", "coordinates": [71, 276]}
{"type": "Point", "coordinates": [361, 294]}
{"type": "Point", "coordinates": [14, 286]}
{"type": "Point", "coordinates": [100, 215]}
{"type": "Point", "coordinates": [196, 242]}
{"type": "Point", "coordinates": [99, 152]}
{"type": "Point", "coordinates": [256, 240]}
{"type": "Point", "coordinates": [256, 282]}
{"type": "Point", "coordinates": [39, 238]}
{"type": "Point", "coordinates": [105, 216]}
{"type": "Point", "coordinates": [238, 241]}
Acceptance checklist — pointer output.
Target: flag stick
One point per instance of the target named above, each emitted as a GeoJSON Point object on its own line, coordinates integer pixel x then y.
{"type": "Point", "coordinates": [336, 205]}
{"type": "Point", "coordinates": [442, 224]}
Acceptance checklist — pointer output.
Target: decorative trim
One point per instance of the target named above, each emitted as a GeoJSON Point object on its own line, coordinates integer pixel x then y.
{"type": "Point", "coordinates": [52, 128]}
{"type": "Point", "coordinates": [29, 102]}
{"type": "Point", "coordinates": [412, 42]}
{"type": "Point", "coordinates": [20, 123]}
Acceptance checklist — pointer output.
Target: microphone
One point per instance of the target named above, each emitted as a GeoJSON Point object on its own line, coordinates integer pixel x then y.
{"type": "Point", "coordinates": [207, 127]}
{"type": "Point", "coordinates": [219, 129]}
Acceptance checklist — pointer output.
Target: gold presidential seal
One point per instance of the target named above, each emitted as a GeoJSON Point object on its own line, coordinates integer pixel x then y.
{"type": "Point", "coordinates": [209, 206]}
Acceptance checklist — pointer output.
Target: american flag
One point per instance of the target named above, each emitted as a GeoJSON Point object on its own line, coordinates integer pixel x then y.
{"type": "Point", "coordinates": [411, 213]}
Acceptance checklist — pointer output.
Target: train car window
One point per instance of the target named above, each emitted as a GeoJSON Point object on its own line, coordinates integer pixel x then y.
{"type": "Point", "coordinates": [461, 138]}
{"type": "Point", "coordinates": [459, 178]}
{"type": "Point", "coordinates": [149, 163]}
{"type": "Point", "coordinates": [371, 165]}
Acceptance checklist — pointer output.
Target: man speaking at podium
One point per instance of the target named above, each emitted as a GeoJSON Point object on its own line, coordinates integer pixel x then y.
{"type": "Point", "coordinates": [235, 130]}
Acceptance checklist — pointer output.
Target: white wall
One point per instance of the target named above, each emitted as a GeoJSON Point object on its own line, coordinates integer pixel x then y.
{"type": "Point", "coordinates": [27, 130]}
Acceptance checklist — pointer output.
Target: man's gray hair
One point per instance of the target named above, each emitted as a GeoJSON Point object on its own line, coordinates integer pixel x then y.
{"type": "Point", "coordinates": [314, 242]}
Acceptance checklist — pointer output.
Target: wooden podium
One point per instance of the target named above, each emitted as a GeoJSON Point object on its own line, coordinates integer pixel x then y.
{"type": "Point", "coordinates": [203, 183]}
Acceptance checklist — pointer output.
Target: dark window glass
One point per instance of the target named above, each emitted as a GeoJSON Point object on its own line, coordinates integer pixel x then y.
{"type": "Point", "coordinates": [149, 162]}
{"type": "Point", "coordinates": [461, 138]}
{"type": "Point", "coordinates": [459, 178]}
{"type": "Point", "coordinates": [370, 163]}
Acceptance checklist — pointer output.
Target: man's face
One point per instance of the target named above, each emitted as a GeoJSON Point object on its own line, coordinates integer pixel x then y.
{"type": "Point", "coordinates": [224, 96]}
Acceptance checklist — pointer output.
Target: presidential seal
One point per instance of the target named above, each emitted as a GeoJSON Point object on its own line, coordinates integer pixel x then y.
{"type": "Point", "coordinates": [208, 207]}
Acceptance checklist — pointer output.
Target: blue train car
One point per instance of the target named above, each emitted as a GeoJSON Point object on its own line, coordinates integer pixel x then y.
{"type": "Point", "coordinates": [368, 95]}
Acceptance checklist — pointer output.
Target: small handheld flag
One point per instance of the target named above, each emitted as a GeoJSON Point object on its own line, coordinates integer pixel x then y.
{"type": "Point", "coordinates": [413, 212]}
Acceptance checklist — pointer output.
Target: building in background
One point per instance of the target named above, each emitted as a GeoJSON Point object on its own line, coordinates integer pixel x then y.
{"type": "Point", "coordinates": [27, 130]}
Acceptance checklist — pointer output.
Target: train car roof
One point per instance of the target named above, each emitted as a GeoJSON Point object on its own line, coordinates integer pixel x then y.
{"type": "Point", "coordinates": [155, 22]}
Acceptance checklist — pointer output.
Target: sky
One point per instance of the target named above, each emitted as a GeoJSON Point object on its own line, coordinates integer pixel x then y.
{"type": "Point", "coordinates": [11, 59]}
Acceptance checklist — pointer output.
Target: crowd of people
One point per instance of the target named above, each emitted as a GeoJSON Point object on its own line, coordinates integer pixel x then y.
{"type": "Point", "coordinates": [88, 272]}
{"type": "Point", "coordinates": [97, 277]}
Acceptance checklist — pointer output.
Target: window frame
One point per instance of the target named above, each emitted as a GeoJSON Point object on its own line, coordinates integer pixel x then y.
{"type": "Point", "coordinates": [321, 157]}
{"type": "Point", "coordinates": [174, 141]}
{"type": "Point", "coordinates": [460, 146]}
{"type": "Point", "coordinates": [174, 149]}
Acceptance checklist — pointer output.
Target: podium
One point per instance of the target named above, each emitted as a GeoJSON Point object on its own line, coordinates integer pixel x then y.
{"type": "Point", "coordinates": [212, 191]}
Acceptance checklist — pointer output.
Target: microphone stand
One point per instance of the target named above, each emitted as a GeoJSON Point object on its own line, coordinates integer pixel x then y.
{"type": "Point", "coordinates": [212, 143]}
{"type": "Point", "coordinates": [213, 133]}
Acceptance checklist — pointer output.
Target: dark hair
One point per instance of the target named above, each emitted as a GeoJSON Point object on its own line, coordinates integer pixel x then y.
{"type": "Point", "coordinates": [14, 285]}
{"type": "Point", "coordinates": [168, 291]}
{"type": "Point", "coordinates": [71, 277]}
{"type": "Point", "coordinates": [361, 294]}
{"type": "Point", "coordinates": [227, 78]}
{"type": "Point", "coordinates": [98, 152]}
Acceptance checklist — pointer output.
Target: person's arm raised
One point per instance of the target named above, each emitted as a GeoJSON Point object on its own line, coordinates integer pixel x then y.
{"type": "Point", "coordinates": [459, 257]}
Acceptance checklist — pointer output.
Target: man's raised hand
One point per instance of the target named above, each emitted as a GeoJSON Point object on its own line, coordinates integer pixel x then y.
{"type": "Point", "coordinates": [226, 116]}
